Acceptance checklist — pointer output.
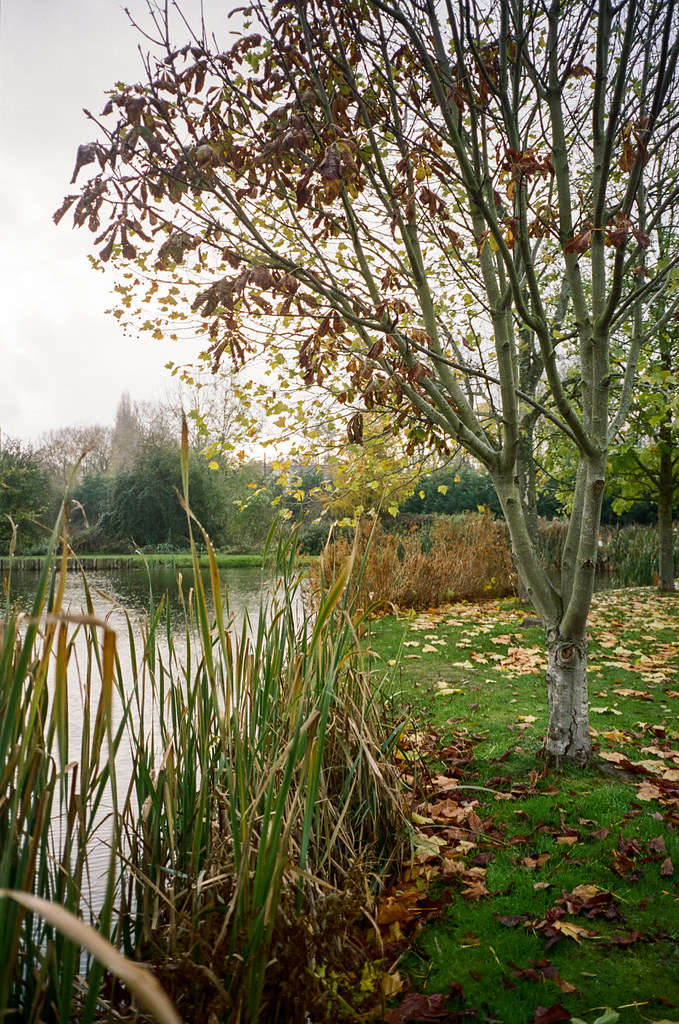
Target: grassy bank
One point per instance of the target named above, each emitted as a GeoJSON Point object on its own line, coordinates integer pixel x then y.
{"type": "Point", "coordinates": [179, 560]}
{"type": "Point", "coordinates": [536, 896]}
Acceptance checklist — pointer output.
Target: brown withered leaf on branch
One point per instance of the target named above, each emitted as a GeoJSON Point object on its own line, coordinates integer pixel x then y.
{"type": "Point", "coordinates": [418, 373]}
{"type": "Point", "coordinates": [330, 166]}
{"type": "Point", "coordinates": [106, 253]}
{"type": "Point", "coordinates": [642, 239]}
{"type": "Point", "coordinates": [355, 429]}
{"type": "Point", "coordinates": [579, 243]}
{"type": "Point", "coordinates": [86, 154]}
{"type": "Point", "coordinates": [628, 156]}
{"type": "Point", "coordinates": [65, 206]}
{"type": "Point", "coordinates": [579, 70]}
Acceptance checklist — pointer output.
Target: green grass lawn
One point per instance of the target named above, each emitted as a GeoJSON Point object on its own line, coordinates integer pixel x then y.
{"type": "Point", "coordinates": [535, 896]}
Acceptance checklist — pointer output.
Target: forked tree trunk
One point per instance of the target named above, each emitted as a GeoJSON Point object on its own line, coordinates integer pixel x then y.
{"type": "Point", "coordinates": [567, 739]}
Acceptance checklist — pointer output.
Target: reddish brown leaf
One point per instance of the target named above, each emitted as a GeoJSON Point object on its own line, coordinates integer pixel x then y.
{"type": "Point", "coordinates": [657, 845]}
{"type": "Point", "coordinates": [551, 1014]}
{"type": "Point", "coordinates": [579, 243]}
{"type": "Point", "coordinates": [536, 862]}
{"type": "Point", "coordinates": [667, 868]}
{"type": "Point", "coordinates": [621, 863]}
{"type": "Point", "coordinates": [579, 70]}
{"type": "Point", "coordinates": [628, 156]}
{"type": "Point", "coordinates": [643, 240]}
{"type": "Point", "coordinates": [512, 920]}
{"type": "Point", "coordinates": [625, 940]}
{"type": "Point", "coordinates": [475, 891]}
{"type": "Point", "coordinates": [416, 1006]}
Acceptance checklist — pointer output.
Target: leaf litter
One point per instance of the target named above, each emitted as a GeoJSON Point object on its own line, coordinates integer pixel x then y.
{"type": "Point", "coordinates": [457, 838]}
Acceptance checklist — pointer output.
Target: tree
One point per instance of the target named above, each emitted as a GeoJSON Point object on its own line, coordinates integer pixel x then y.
{"type": "Point", "coordinates": [25, 494]}
{"type": "Point", "coordinates": [74, 451]}
{"type": "Point", "coordinates": [645, 461]}
{"type": "Point", "coordinates": [437, 207]}
{"type": "Point", "coordinates": [142, 504]}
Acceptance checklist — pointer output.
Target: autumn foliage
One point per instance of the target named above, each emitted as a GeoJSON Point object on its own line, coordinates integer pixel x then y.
{"type": "Point", "coordinates": [454, 559]}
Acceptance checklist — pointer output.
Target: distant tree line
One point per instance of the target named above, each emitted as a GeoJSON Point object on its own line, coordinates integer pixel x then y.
{"type": "Point", "coordinates": [124, 481]}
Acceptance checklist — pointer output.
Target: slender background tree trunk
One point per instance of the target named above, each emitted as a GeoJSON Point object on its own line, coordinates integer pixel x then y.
{"type": "Point", "coordinates": [665, 510]}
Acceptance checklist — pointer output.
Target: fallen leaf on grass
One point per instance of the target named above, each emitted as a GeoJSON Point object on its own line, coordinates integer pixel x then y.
{"type": "Point", "coordinates": [625, 940]}
{"type": "Point", "coordinates": [667, 868]}
{"type": "Point", "coordinates": [540, 971]}
{"type": "Point", "coordinates": [550, 1014]}
{"type": "Point", "coordinates": [391, 984]}
{"type": "Point", "coordinates": [647, 791]}
{"type": "Point", "coordinates": [475, 890]}
{"type": "Point", "coordinates": [591, 900]}
{"type": "Point", "coordinates": [399, 908]}
{"type": "Point", "coordinates": [416, 1006]}
{"type": "Point", "coordinates": [512, 920]}
{"type": "Point", "coordinates": [427, 847]}
{"type": "Point", "coordinates": [536, 862]}
{"type": "Point", "coordinates": [625, 691]}
{"type": "Point", "coordinates": [622, 864]}
{"type": "Point", "coordinates": [615, 757]}
{"type": "Point", "coordinates": [573, 931]}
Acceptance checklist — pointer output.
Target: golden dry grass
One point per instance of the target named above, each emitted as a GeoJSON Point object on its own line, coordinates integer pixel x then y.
{"type": "Point", "coordinates": [465, 558]}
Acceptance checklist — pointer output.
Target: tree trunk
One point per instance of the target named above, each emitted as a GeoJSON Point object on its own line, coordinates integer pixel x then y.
{"type": "Point", "coordinates": [528, 492]}
{"type": "Point", "coordinates": [567, 740]}
{"type": "Point", "coordinates": [665, 509]}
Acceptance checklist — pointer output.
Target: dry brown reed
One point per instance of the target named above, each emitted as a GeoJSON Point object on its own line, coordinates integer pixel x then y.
{"type": "Point", "coordinates": [465, 558]}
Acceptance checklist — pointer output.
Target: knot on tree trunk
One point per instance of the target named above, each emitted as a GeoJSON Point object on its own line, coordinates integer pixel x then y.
{"type": "Point", "coordinates": [566, 655]}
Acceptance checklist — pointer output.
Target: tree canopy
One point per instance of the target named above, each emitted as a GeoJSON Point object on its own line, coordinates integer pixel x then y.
{"type": "Point", "coordinates": [442, 210]}
{"type": "Point", "coordinates": [25, 493]}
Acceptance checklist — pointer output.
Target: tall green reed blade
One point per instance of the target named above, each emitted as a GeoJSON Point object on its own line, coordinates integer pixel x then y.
{"type": "Point", "coordinates": [46, 824]}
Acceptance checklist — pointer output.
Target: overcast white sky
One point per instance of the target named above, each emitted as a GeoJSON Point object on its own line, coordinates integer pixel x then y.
{"type": "Point", "coordinates": [63, 361]}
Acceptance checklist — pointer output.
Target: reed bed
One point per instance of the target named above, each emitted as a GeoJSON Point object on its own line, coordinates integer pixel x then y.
{"type": "Point", "coordinates": [627, 554]}
{"type": "Point", "coordinates": [461, 558]}
{"type": "Point", "coordinates": [245, 850]}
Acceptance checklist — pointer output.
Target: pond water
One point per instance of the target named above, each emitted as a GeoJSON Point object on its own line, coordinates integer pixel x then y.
{"type": "Point", "coordinates": [133, 591]}
{"type": "Point", "coordinates": [137, 589]}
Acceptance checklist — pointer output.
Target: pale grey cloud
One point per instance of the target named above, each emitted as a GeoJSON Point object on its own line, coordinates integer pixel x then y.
{"type": "Point", "coordinates": [62, 360]}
